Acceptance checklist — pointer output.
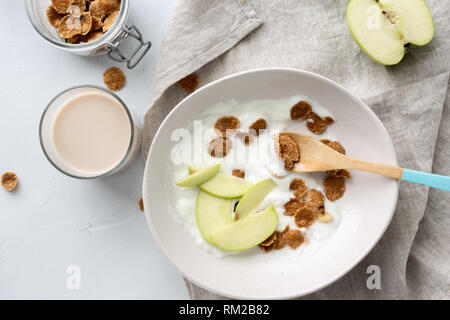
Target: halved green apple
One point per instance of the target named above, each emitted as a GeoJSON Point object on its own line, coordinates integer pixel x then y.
{"type": "Point", "coordinates": [212, 214]}
{"type": "Point", "coordinates": [199, 177]}
{"type": "Point", "coordinates": [253, 197]}
{"type": "Point", "coordinates": [382, 28]}
{"type": "Point", "coordinates": [246, 233]}
{"type": "Point", "coordinates": [225, 186]}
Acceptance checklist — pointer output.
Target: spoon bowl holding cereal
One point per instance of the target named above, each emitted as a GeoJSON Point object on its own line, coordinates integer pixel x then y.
{"type": "Point", "coordinates": [315, 155]}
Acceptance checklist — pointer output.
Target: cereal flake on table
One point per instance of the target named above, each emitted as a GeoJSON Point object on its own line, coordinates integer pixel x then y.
{"type": "Point", "coordinates": [141, 204]}
{"type": "Point", "coordinates": [9, 180]}
{"type": "Point", "coordinates": [189, 83]}
{"type": "Point", "coordinates": [114, 79]}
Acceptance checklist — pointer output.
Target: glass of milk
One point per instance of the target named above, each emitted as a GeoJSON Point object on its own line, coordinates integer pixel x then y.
{"type": "Point", "coordinates": [88, 132]}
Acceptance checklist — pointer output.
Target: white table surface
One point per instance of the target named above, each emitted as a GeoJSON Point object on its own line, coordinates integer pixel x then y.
{"type": "Point", "coordinates": [51, 221]}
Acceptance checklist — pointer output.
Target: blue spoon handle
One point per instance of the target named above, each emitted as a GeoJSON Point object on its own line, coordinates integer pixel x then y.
{"type": "Point", "coordinates": [428, 179]}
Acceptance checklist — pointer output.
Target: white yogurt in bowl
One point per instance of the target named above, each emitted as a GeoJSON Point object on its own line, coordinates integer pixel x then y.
{"type": "Point", "coordinates": [258, 160]}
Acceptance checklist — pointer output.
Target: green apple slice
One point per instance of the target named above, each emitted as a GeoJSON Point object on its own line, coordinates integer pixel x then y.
{"type": "Point", "coordinates": [199, 177]}
{"type": "Point", "coordinates": [253, 197]}
{"type": "Point", "coordinates": [212, 214]}
{"type": "Point", "coordinates": [247, 233]}
{"type": "Point", "coordinates": [193, 170]}
{"type": "Point", "coordinates": [382, 28]}
{"type": "Point", "coordinates": [226, 186]}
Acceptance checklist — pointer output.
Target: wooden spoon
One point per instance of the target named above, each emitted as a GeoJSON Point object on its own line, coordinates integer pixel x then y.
{"type": "Point", "coordinates": [317, 156]}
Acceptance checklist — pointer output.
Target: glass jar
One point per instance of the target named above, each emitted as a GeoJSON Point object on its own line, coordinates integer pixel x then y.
{"type": "Point", "coordinates": [108, 43]}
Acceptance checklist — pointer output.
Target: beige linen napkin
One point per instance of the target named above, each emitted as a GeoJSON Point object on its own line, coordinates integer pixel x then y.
{"type": "Point", "coordinates": [216, 38]}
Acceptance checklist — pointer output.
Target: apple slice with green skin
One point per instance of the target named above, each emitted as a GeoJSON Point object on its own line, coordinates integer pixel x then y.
{"type": "Point", "coordinates": [212, 214]}
{"type": "Point", "coordinates": [193, 170]}
{"type": "Point", "coordinates": [199, 177]}
{"type": "Point", "coordinates": [226, 186]}
{"type": "Point", "coordinates": [382, 28]}
{"type": "Point", "coordinates": [253, 197]}
{"type": "Point", "coordinates": [248, 232]}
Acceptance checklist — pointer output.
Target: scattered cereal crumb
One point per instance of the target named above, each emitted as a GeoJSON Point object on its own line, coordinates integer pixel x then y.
{"type": "Point", "coordinates": [227, 125]}
{"type": "Point", "coordinates": [247, 137]}
{"type": "Point", "coordinates": [298, 185]}
{"type": "Point", "coordinates": [9, 180]}
{"type": "Point", "coordinates": [141, 204]}
{"type": "Point", "coordinates": [114, 79]}
{"type": "Point", "coordinates": [238, 173]}
{"type": "Point", "coordinates": [61, 5]}
{"type": "Point", "coordinates": [317, 125]}
{"type": "Point", "coordinates": [189, 83]}
{"type": "Point", "coordinates": [316, 200]}
{"type": "Point", "coordinates": [219, 147]}
{"type": "Point", "coordinates": [305, 217]}
{"type": "Point", "coordinates": [289, 151]}
{"type": "Point", "coordinates": [334, 188]}
{"type": "Point", "coordinates": [301, 110]}
{"type": "Point", "coordinates": [54, 17]}
{"type": "Point", "coordinates": [258, 125]}
{"type": "Point", "coordinates": [325, 217]}
{"type": "Point", "coordinates": [109, 21]}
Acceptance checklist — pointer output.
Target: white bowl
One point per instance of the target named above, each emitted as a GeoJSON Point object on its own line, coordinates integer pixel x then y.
{"type": "Point", "coordinates": [366, 208]}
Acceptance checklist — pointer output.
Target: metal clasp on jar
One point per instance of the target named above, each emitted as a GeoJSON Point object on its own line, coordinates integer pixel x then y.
{"type": "Point", "coordinates": [136, 56]}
